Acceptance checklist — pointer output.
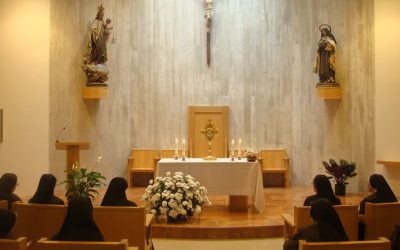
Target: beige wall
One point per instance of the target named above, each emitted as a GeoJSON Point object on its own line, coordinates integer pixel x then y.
{"type": "Point", "coordinates": [24, 90]}
{"type": "Point", "coordinates": [262, 57]}
{"type": "Point", "coordinates": [387, 104]}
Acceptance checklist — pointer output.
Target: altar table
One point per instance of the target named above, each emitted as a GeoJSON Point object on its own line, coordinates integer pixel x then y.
{"type": "Point", "coordinates": [221, 177]}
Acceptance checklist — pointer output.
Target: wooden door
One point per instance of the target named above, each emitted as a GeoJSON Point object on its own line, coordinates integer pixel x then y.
{"type": "Point", "coordinates": [198, 118]}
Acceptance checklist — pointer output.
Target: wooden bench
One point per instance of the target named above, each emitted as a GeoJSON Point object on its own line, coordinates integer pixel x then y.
{"type": "Point", "coordinates": [4, 204]}
{"type": "Point", "coordinates": [37, 221]}
{"type": "Point", "coordinates": [348, 215]}
{"type": "Point", "coordinates": [130, 223]}
{"type": "Point", "coordinates": [380, 244]}
{"type": "Point", "coordinates": [18, 244]}
{"type": "Point", "coordinates": [167, 153]}
{"type": "Point", "coordinates": [380, 219]}
{"type": "Point", "coordinates": [142, 161]}
{"type": "Point", "coordinates": [44, 244]}
{"type": "Point", "coordinates": [275, 161]}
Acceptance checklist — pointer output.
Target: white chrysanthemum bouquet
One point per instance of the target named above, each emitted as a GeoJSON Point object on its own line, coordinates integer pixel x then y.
{"type": "Point", "coordinates": [177, 198]}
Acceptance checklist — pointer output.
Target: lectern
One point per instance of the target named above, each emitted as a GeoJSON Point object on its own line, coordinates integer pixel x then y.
{"type": "Point", "coordinates": [72, 151]}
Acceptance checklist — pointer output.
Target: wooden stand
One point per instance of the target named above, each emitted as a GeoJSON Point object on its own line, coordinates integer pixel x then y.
{"type": "Point", "coordinates": [329, 92]}
{"type": "Point", "coordinates": [95, 92]}
{"type": "Point", "coordinates": [238, 202]}
{"type": "Point", "coordinates": [72, 151]}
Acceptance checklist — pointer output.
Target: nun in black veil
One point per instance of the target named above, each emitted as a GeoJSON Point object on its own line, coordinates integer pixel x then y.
{"type": "Point", "coordinates": [327, 226]}
{"type": "Point", "coordinates": [78, 224]}
{"type": "Point", "coordinates": [323, 189]}
{"type": "Point", "coordinates": [381, 192]}
{"type": "Point", "coordinates": [45, 191]}
{"type": "Point", "coordinates": [8, 184]}
{"type": "Point", "coordinates": [115, 194]}
{"type": "Point", "coordinates": [7, 223]}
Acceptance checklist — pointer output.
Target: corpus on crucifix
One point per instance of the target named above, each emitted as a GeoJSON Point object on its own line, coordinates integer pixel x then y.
{"type": "Point", "coordinates": [208, 4]}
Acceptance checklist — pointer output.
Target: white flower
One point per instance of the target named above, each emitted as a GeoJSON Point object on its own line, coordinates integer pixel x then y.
{"type": "Point", "coordinates": [164, 203]}
{"type": "Point", "coordinates": [185, 203]}
{"type": "Point", "coordinates": [153, 211]}
{"type": "Point", "coordinates": [168, 174]}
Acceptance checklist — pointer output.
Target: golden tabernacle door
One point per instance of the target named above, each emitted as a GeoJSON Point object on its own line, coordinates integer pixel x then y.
{"type": "Point", "coordinates": [208, 124]}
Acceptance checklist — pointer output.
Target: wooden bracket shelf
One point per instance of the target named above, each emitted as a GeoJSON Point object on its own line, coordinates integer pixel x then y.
{"type": "Point", "coordinates": [329, 92]}
{"type": "Point", "coordinates": [389, 163]}
{"type": "Point", "coordinates": [95, 92]}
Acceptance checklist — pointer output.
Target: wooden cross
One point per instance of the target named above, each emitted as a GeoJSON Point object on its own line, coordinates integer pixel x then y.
{"type": "Point", "coordinates": [208, 4]}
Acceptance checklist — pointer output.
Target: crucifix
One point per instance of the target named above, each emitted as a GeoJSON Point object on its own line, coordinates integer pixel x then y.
{"type": "Point", "coordinates": [208, 4]}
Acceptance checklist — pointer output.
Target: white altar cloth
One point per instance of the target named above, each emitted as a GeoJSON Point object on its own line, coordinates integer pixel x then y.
{"type": "Point", "coordinates": [221, 177]}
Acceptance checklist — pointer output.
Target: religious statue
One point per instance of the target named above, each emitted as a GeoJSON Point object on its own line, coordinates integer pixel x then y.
{"type": "Point", "coordinates": [208, 4]}
{"type": "Point", "coordinates": [209, 13]}
{"type": "Point", "coordinates": [96, 54]}
{"type": "Point", "coordinates": [325, 61]}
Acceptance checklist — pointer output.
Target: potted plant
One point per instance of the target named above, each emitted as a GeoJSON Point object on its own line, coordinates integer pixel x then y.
{"type": "Point", "coordinates": [340, 172]}
{"type": "Point", "coordinates": [81, 181]}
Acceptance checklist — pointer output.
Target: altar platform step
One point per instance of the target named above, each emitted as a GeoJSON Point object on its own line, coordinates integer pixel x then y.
{"type": "Point", "coordinates": [218, 222]}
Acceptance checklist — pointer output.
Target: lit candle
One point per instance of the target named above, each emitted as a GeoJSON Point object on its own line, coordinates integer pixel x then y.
{"type": "Point", "coordinates": [183, 147]}
{"type": "Point", "coordinates": [239, 150]}
{"type": "Point", "coordinates": [176, 146]}
{"type": "Point", "coordinates": [233, 148]}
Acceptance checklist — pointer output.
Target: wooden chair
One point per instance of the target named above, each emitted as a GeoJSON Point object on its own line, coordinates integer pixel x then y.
{"type": "Point", "coordinates": [380, 244]}
{"type": "Point", "coordinates": [141, 161]}
{"type": "Point", "coordinates": [380, 219]}
{"type": "Point", "coordinates": [18, 244]}
{"type": "Point", "coordinates": [167, 153]}
{"type": "Point", "coordinates": [348, 215]}
{"type": "Point", "coordinates": [4, 204]}
{"type": "Point", "coordinates": [44, 244]}
{"type": "Point", "coordinates": [275, 161]}
{"type": "Point", "coordinates": [36, 220]}
{"type": "Point", "coordinates": [131, 223]}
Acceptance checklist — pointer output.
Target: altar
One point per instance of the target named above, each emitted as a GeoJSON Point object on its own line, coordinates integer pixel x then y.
{"type": "Point", "coordinates": [221, 177]}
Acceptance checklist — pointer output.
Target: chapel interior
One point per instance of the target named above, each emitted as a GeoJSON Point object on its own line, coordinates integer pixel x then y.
{"type": "Point", "coordinates": [250, 65]}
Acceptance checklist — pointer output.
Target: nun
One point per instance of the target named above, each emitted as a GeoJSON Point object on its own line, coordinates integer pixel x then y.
{"type": "Point", "coordinates": [323, 189]}
{"type": "Point", "coordinates": [115, 194]}
{"type": "Point", "coordinates": [8, 184]}
{"type": "Point", "coordinates": [7, 223]}
{"type": "Point", "coordinates": [327, 226]}
{"type": "Point", "coordinates": [78, 224]}
{"type": "Point", "coordinates": [45, 191]}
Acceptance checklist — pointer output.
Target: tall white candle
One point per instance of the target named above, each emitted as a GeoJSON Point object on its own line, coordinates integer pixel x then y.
{"type": "Point", "coordinates": [176, 146]}
{"type": "Point", "coordinates": [233, 148]}
{"type": "Point", "coordinates": [239, 149]}
{"type": "Point", "coordinates": [183, 147]}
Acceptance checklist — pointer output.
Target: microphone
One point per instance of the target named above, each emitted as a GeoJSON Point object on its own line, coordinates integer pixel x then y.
{"type": "Point", "coordinates": [59, 133]}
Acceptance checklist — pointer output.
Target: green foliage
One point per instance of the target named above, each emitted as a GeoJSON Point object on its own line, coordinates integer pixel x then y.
{"type": "Point", "coordinates": [80, 181]}
{"type": "Point", "coordinates": [342, 171]}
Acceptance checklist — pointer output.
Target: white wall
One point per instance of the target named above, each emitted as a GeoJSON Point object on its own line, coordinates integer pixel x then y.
{"type": "Point", "coordinates": [24, 90]}
{"type": "Point", "coordinates": [387, 80]}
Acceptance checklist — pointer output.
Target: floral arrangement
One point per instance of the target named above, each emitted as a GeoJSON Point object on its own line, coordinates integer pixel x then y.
{"type": "Point", "coordinates": [251, 154]}
{"type": "Point", "coordinates": [81, 181]}
{"type": "Point", "coordinates": [176, 197]}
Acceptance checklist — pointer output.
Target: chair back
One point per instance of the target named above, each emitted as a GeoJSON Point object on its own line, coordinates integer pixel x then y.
{"type": "Point", "coordinates": [143, 159]}
{"type": "Point", "coordinates": [274, 159]}
{"type": "Point", "coordinates": [380, 244]}
{"type": "Point", "coordinates": [44, 244]}
{"type": "Point", "coordinates": [167, 153]}
{"type": "Point", "coordinates": [380, 219]}
{"type": "Point", "coordinates": [122, 222]}
{"type": "Point", "coordinates": [18, 244]}
{"type": "Point", "coordinates": [348, 215]}
{"type": "Point", "coordinates": [36, 221]}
